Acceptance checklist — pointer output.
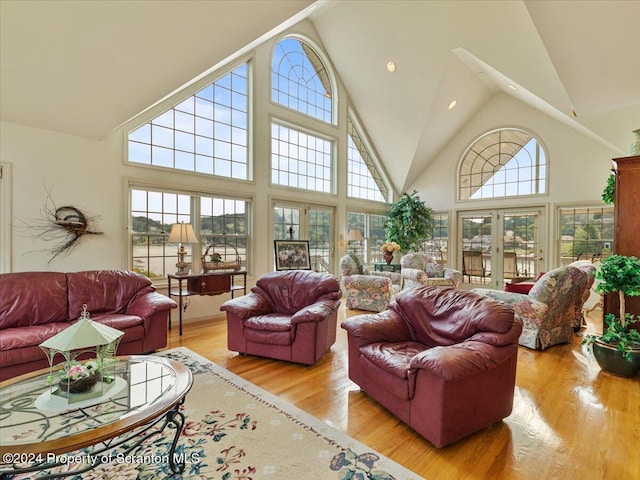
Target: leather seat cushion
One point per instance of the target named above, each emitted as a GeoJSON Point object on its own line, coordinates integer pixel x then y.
{"type": "Point", "coordinates": [34, 335]}
{"type": "Point", "coordinates": [272, 322]}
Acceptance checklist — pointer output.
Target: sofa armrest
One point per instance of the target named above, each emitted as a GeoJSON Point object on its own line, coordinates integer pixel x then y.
{"type": "Point", "coordinates": [462, 359]}
{"type": "Point", "coordinates": [144, 306]}
{"type": "Point", "coordinates": [316, 312]}
{"type": "Point", "coordinates": [523, 305]}
{"type": "Point", "coordinates": [414, 274]}
{"type": "Point", "coordinates": [386, 326]}
{"type": "Point", "coordinates": [247, 306]}
{"type": "Point", "coordinates": [454, 275]}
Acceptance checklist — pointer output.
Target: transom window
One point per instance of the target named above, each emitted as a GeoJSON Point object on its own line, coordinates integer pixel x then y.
{"type": "Point", "coordinates": [300, 159]}
{"type": "Point", "coordinates": [503, 163]}
{"type": "Point", "coordinates": [300, 80]}
{"type": "Point", "coordinates": [364, 179]}
{"type": "Point", "coordinates": [206, 133]}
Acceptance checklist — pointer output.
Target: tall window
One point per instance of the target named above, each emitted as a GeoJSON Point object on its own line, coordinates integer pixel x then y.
{"type": "Point", "coordinates": [503, 163]}
{"type": "Point", "coordinates": [371, 226]}
{"type": "Point", "coordinates": [222, 222]}
{"type": "Point", "coordinates": [300, 159]}
{"type": "Point", "coordinates": [206, 133]}
{"type": "Point", "coordinates": [363, 177]}
{"type": "Point", "coordinates": [586, 233]}
{"type": "Point", "coordinates": [300, 81]}
{"type": "Point", "coordinates": [437, 245]}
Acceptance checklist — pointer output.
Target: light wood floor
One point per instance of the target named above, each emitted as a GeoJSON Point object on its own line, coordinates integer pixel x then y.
{"type": "Point", "coordinates": [570, 420]}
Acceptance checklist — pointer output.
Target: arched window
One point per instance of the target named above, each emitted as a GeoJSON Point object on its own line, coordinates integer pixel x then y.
{"type": "Point", "coordinates": [503, 163]}
{"type": "Point", "coordinates": [300, 80]}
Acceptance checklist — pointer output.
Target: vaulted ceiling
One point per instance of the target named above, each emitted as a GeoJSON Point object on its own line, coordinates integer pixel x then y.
{"type": "Point", "coordinates": [85, 68]}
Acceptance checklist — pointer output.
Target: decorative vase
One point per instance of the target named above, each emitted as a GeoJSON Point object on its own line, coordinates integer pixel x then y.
{"type": "Point", "coordinates": [610, 360]}
{"type": "Point", "coordinates": [388, 257]}
{"type": "Point", "coordinates": [634, 147]}
{"type": "Point", "coordinates": [80, 385]}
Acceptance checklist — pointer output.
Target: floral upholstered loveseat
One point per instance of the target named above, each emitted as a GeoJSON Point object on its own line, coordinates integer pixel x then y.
{"type": "Point", "coordinates": [550, 309]}
{"type": "Point", "coordinates": [366, 290]}
{"type": "Point", "coordinates": [421, 269]}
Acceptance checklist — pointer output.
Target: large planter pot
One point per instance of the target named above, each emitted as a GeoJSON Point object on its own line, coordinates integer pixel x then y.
{"type": "Point", "coordinates": [611, 360]}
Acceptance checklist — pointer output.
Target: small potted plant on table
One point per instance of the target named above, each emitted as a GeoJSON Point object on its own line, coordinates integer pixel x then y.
{"type": "Point", "coordinates": [617, 350]}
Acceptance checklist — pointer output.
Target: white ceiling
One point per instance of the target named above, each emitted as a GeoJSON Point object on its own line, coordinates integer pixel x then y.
{"type": "Point", "coordinates": [84, 68]}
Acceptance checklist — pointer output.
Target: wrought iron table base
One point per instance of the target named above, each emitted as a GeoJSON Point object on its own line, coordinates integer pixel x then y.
{"type": "Point", "coordinates": [173, 417]}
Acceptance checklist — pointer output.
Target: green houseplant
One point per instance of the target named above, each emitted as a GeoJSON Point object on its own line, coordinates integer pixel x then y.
{"type": "Point", "coordinates": [618, 274]}
{"type": "Point", "coordinates": [409, 222]}
{"type": "Point", "coordinates": [609, 192]}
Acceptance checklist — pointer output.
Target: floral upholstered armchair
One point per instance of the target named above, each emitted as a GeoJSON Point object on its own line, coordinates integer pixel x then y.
{"type": "Point", "coordinates": [365, 290]}
{"type": "Point", "coordinates": [421, 269]}
{"type": "Point", "coordinates": [550, 309]}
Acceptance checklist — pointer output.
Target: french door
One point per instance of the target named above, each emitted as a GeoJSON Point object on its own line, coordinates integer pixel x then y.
{"type": "Point", "coordinates": [293, 221]}
{"type": "Point", "coordinates": [497, 246]}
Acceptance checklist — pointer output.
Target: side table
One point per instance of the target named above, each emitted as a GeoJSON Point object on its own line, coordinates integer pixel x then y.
{"type": "Point", "coordinates": [210, 283]}
{"type": "Point", "coordinates": [387, 267]}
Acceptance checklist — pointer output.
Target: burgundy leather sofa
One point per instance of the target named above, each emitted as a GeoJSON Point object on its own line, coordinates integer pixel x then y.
{"type": "Point", "coordinates": [290, 315]}
{"type": "Point", "coordinates": [442, 360]}
{"type": "Point", "coordinates": [35, 306]}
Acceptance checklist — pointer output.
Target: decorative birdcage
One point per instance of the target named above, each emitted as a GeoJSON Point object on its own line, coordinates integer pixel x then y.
{"type": "Point", "coordinates": [83, 337]}
{"type": "Point", "coordinates": [214, 260]}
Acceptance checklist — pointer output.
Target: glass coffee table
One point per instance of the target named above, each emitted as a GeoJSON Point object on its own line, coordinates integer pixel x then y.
{"type": "Point", "coordinates": [39, 430]}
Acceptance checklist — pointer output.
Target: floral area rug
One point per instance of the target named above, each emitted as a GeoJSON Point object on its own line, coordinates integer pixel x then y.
{"type": "Point", "coordinates": [236, 431]}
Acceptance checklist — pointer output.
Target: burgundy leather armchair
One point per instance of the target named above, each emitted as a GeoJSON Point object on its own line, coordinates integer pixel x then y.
{"type": "Point", "coordinates": [290, 315]}
{"type": "Point", "coordinates": [442, 360]}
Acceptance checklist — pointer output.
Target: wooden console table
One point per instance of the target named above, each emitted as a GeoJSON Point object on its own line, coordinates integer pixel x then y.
{"type": "Point", "coordinates": [211, 283]}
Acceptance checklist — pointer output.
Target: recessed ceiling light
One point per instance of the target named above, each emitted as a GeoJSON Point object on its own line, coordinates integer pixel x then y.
{"type": "Point", "coordinates": [512, 87]}
{"type": "Point", "coordinates": [391, 66]}
{"type": "Point", "coordinates": [452, 104]}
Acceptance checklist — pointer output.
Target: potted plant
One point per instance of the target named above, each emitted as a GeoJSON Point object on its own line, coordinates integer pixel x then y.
{"type": "Point", "coordinates": [409, 222]}
{"type": "Point", "coordinates": [617, 350]}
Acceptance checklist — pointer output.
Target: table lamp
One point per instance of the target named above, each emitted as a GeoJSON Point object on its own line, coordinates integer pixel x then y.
{"type": "Point", "coordinates": [182, 233]}
{"type": "Point", "coordinates": [354, 236]}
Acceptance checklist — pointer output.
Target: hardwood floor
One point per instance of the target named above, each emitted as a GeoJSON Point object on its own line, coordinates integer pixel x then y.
{"type": "Point", "coordinates": [570, 420]}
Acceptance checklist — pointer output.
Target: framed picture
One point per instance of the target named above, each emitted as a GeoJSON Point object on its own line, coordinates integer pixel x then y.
{"type": "Point", "coordinates": [292, 254]}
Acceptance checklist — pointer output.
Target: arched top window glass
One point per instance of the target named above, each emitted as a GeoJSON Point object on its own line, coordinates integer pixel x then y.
{"type": "Point", "coordinates": [300, 80]}
{"type": "Point", "coordinates": [503, 163]}
{"type": "Point", "coordinates": [364, 179]}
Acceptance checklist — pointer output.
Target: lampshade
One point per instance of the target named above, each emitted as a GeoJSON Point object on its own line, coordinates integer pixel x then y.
{"type": "Point", "coordinates": [182, 233]}
{"type": "Point", "coordinates": [354, 236]}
